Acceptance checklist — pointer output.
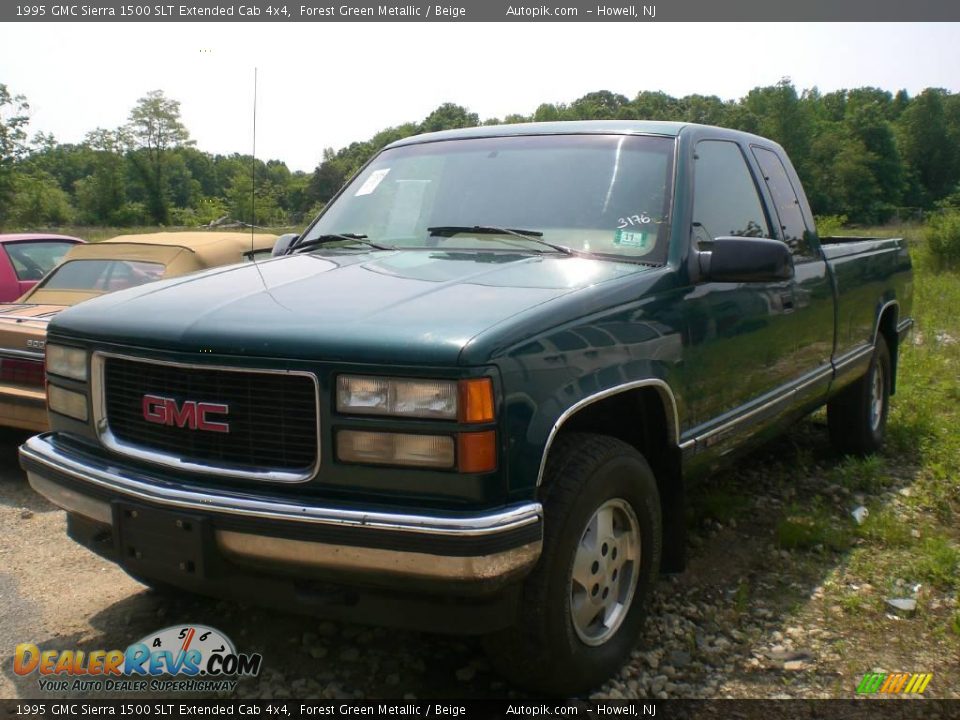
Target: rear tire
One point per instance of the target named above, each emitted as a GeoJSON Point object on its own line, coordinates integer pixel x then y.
{"type": "Point", "coordinates": [584, 604]}
{"type": "Point", "coordinates": [857, 417]}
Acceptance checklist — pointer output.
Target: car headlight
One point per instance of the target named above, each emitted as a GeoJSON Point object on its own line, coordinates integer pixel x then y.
{"type": "Point", "coordinates": [67, 361]}
{"type": "Point", "coordinates": [466, 400]}
{"type": "Point", "coordinates": [67, 402]}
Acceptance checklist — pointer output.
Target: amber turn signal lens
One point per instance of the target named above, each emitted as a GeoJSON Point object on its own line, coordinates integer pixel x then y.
{"type": "Point", "coordinates": [476, 400]}
{"type": "Point", "coordinates": [477, 452]}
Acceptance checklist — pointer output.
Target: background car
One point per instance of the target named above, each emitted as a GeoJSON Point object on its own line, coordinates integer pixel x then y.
{"type": "Point", "coordinates": [87, 271]}
{"type": "Point", "coordinates": [27, 257]}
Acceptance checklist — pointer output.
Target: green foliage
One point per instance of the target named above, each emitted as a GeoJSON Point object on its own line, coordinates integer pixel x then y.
{"type": "Point", "coordinates": [943, 238]}
{"type": "Point", "coordinates": [828, 225]}
{"type": "Point", "coordinates": [13, 122]}
{"type": "Point", "coordinates": [40, 202]}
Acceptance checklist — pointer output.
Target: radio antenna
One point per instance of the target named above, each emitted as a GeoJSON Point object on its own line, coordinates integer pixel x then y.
{"type": "Point", "coordinates": [253, 173]}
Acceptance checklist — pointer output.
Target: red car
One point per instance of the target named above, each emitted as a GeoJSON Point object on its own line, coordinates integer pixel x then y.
{"type": "Point", "coordinates": [26, 258]}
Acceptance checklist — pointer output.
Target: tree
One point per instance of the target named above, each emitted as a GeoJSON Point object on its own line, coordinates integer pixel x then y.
{"type": "Point", "coordinates": [13, 135]}
{"type": "Point", "coordinates": [925, 145]}
{"type": "Point", "coordinates": [154, 129]}
{"type": "Point", "coordinates": [39, 201]}
{"type": "Point", "coordinates": [449, 116]}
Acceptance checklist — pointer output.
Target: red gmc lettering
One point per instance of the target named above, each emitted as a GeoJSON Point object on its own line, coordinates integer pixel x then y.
{"type": "Point", "coordinates": [191, 414]}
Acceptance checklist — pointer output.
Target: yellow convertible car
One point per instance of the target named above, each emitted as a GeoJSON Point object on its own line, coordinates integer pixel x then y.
{"type": "Point", "coordinates": [88, 271]}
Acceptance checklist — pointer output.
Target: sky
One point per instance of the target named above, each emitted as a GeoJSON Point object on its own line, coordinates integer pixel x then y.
{"type": "Point", "coordinates": [327, 85]}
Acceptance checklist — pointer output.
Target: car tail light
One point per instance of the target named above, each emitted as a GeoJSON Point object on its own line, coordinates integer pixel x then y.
{"type": "Point", "coordinates": [22, 372]}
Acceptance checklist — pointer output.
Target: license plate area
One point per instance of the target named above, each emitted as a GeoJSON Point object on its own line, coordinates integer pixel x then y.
{"type": "Point", "coordinates": [160, 543]}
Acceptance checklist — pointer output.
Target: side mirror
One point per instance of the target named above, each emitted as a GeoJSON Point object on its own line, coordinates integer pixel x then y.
{"type": "Point", "coordinates": [283, 244]}
{"type": "Point", "coordinates": [745, 259]}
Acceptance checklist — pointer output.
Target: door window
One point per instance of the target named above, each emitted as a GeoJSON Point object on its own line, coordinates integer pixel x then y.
{"type": "Point", "coordinates": [725, 199]}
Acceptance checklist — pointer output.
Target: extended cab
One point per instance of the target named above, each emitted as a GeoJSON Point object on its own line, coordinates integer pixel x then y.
{"type": "Point", "coordinates": [473, 394]}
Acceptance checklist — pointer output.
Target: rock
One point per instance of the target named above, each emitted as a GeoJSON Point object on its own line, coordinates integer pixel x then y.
{"type": "Point", "coordinates": [780, 654]}
{"type": "Point", "coordinates": [466, 674]}
{"type": "Point", "coordinates": [678, 658]}
{"type": "Point", "coordinates": [658, 683]}
{"type": "Point", "coordinates": [317, 652]}
{"type": "Point", "coordinates": [860, 514]}
{"type": "Point", "coordinates": [905, 607]}
{"type": "Point", "coordinates": [914, 533]}
{"type": "Point", "coordinates": [327, 629]}
{"type": "Point", "coordinates": [794, 665]}
{"type": "Point", "coordinates": [393, 679]}
{"type": "Point", "coordinates": [26, 514]}
{"type": "Point", "coordinates": [350, 654]}
{"type": "Point", "coordinates": [668, 670]}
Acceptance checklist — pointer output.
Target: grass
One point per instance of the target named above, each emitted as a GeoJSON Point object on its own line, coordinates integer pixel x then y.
{"type": "Point", "coordinates": [813, 528]}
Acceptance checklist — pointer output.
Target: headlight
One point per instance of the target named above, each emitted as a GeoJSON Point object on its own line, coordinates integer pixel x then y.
{"type": "Point", "coordinates": [66, 402]}
{"type": "Point", "coordinates": [67, 361]}
{"type": "Point", "coordinates": [381, 448]}
{"type": "Point", "coordinates": [467, 400]}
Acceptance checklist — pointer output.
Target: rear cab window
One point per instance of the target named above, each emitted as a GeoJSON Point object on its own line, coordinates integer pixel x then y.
{"type": "Point", "coordinates": [795, 232]}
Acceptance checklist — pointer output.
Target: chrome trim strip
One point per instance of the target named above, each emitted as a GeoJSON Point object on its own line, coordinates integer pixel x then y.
{"type": "Point", "coordinates": [178, 495]}
{"type": "Point", "coordinates": [21, 354]}
{"type": "Point", "coordinates": [852, 357]}
{"type": "Point", "coordinates": [883, 309]}
{"type": "Point", "coordinates": [498, 566]}
{"type": "Point", "coordinates": [904, 326]}
{"type": "Point", "coordinates": [111, 442]}
{"type": "Point", "coordinates": [661, 387]}
{"type": "Point", "coordinates": [782, 397]}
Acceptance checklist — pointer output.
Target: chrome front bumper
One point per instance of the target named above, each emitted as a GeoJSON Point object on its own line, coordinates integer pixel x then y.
{"type": "Point", "coordinates": [488, 548]}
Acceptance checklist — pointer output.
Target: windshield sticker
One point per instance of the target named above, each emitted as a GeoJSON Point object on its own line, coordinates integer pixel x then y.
{"type": "Point", "coordinates": [635, 240]}
{"type": "Point", "coordinates": [641, 219]}
{"type": "Point", "coordinates": [376, 177]}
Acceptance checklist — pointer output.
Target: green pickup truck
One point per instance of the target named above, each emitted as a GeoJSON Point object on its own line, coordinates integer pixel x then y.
{"type": "Point", "coordinates": [473, 395]}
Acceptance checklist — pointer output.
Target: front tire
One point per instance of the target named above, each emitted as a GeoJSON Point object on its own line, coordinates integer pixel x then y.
{"type": "Point", "coordinates": [857, 416]}
{"type": "Point", "coordinates": [584, 604]}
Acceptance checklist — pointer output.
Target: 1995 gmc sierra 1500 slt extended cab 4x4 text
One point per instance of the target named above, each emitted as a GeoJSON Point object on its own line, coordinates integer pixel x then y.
{"type": "Point", "coordinates": [473, 394]}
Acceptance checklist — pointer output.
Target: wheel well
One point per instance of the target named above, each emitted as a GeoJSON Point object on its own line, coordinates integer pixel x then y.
{"type": "Point", "coordinates": [887, 328]}
{"type": "Point", "coordinates": [639, 417]}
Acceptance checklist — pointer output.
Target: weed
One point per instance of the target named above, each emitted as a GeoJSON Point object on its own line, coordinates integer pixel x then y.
{"type": "Point", "coordinates": [885, 528]}
{"type": "Point", "coordinates": [866, 474]}
{"type": "Point", "coordinates": [809, 528]}
{"type": "Point", "coordinates": [943, 238]}
{"type": "Point", "coordinates": [938, 562]}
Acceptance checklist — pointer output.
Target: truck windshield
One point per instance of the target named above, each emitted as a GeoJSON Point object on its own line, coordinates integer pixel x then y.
{"type": "Point", "coordinates": [603, 194]}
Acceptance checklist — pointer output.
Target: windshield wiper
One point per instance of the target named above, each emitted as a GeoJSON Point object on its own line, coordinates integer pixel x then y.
{"type": "Point", "coordinates": [333, 237]}
{"type": "Point", "coordinates": [530, 235]}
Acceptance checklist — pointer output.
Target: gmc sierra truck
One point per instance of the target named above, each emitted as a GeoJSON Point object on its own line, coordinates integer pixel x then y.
{"type": "Point", "coordinates": [473, 395]}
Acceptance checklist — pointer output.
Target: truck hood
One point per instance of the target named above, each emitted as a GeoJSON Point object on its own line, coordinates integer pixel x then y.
{"type": "Point", "coordinates": [413, 306]}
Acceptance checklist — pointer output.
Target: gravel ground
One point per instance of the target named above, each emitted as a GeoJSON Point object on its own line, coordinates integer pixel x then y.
{"type": "Point", "coordinates": [746, 619]}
